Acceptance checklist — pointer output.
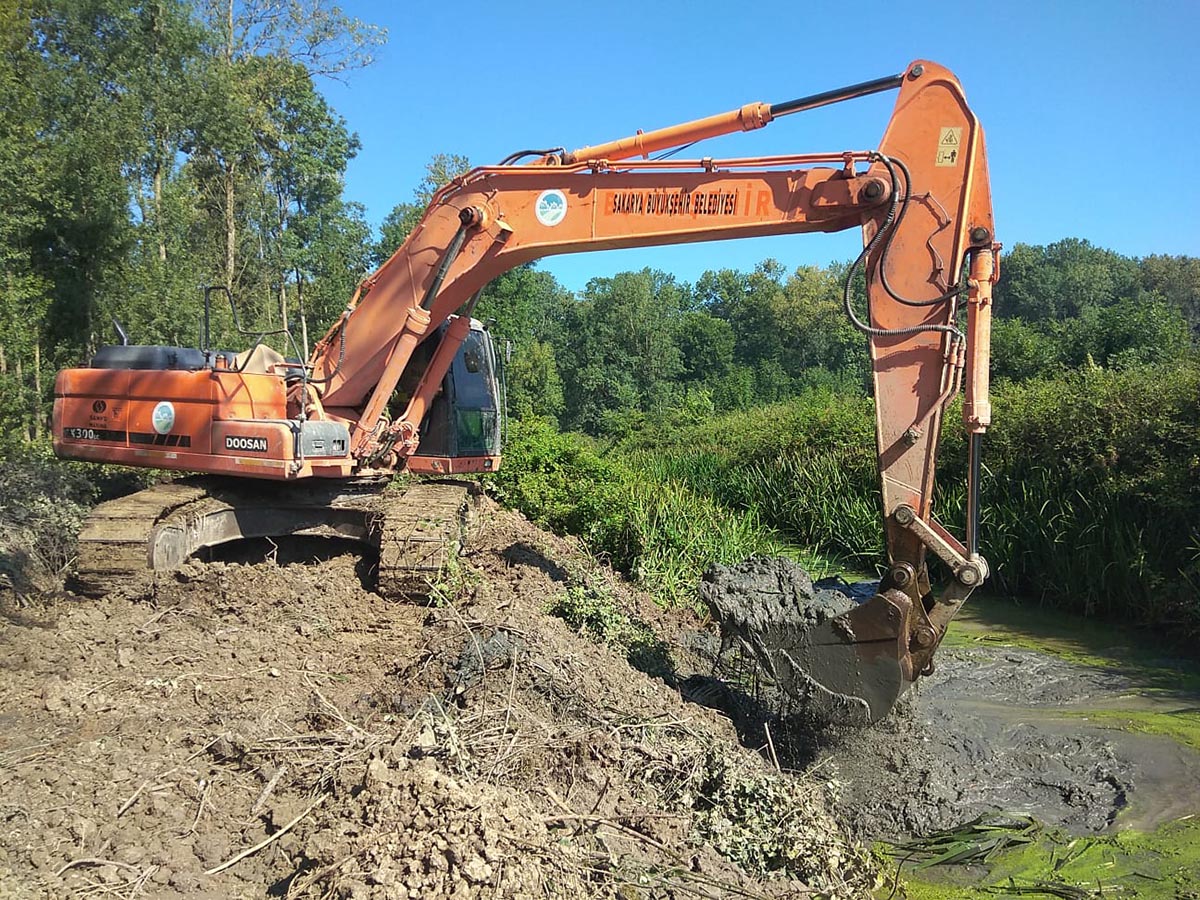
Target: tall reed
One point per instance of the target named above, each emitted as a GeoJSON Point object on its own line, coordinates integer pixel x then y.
{"type": "Point", "coordinates": [1090, 494]}
{"type": "Point", "coordinates": [662, 533]}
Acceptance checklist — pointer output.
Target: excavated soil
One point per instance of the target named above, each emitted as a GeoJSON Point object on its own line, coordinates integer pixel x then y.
{"type": "Point", "coordinates": [263, 725]}
{"type": "Point", "coordinates": [760, 594]}
{"type": "Point", "coordinates": [254, 727]}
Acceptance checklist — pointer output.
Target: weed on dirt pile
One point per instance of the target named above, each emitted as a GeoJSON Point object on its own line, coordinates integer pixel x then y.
{"type": "Point", "coordinates": [272, 729]}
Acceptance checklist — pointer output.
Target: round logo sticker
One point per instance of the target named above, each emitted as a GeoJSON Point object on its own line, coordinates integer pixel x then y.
{"type": "Point", "coordinates": [551, 207]}
{"type": "Point", "coordinates": [163, 417]}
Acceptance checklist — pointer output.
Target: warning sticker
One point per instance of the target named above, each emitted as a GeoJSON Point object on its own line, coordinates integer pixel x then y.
{"type": "Point", "coordinates": [948, 151]}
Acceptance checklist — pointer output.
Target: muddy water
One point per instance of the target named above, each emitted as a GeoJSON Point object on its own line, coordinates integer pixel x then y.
{"type": "Point", "coordinates": [1024, 731]}
{"type": "Point", "coordinates": [1001, 724]}
{"type": "Point", "coordinates": [1061, 720]}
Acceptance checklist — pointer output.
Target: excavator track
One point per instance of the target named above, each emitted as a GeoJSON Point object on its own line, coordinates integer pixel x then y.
{"type": "Point", "coordinates": [420, 536]}
{"type": "Point", "coordinates": [416, 531]}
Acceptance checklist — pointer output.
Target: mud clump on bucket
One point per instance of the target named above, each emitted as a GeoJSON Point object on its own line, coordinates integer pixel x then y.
{"type": "Point", "coordinates": [767, 610]}
{"type": "Point", "coordinates": [760, 594]}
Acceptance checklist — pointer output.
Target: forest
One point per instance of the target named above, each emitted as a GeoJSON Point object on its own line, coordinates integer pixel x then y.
{"type": "Point", "coordinates": [150, 150]}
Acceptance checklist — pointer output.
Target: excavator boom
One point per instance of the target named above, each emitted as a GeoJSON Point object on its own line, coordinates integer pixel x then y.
{"type": "Point", "coordinates": [922, 200]}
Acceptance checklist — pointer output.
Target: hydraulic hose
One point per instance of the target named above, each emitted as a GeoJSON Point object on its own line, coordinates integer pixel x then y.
{"type": "Point", "coordinates": [521, 154]}
{"type": "Point", "coordinates": [888, 163]}
{"type": "Point", "coordinates": [883, 234]}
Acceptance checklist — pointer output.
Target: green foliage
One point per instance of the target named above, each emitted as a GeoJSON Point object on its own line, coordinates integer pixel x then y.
{"type": "Point", "coordinates": [534, 385]}
{"type": "Point", "coordinates": [705, 346]}
{"type": "Point", "coordinates": [618, 357]}
{"type": "Point", "coordinates": [399, 223]}
{"type": "Point", "coordinates": [526, 308]}
{"type": "Point", "coordinates": [756, 819]}
{"type": "Point", "coordinates": [149, 150]}
{"type": "Point", "coordinates": [1061, 280]}
{"type": "Point", "coordinates": [43, 501]}
{"type": "Point", "coordinates": [806, 468]}
{"type": "Point", "coordinates": [1090, 497]}
{"type": "Point", "coordinates": [1130, 332]}
{"type": "Point", "coordinates": [1092, 494]}
{"type": "Point", "coordinates": [1021, 351]}
{"type": "Point", "coordinates": [590, 607]}
{"type": "Point", "coordinates": [527, 304]}
{"type": "Point", "coordinates": [663, 536]}
{"type": "Point", "coordinates": [1176, 279]}
{"type": "Point", "coordinates": [1125, 334]}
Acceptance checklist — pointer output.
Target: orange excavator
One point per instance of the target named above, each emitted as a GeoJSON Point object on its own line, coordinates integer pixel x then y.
{"type": "Point", "coordinates": [406, 380]}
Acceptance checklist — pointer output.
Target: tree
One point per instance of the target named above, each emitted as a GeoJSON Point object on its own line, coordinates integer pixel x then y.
{"type": "Point", "coordinates": [399, 223]}
{"type": "Point", "coordinates": [27, 166]}
{"type": "Point", "coordinates": [817, 333]}
{"type": "Point", "coordinates": [314, 34]}
{"type": "Point", "coordinates": [619, 357]}
{"type": "Point", "coordinates": [307, 148]}
{"type": "Point", "coordinates": [751, 304]}
{"type": "Point", "coordinates": [705, 345]}
{"type": "Point", "coordinates": [149, 149]}
{"type": "Point", "coordinates": [1177, 280]}
{"type": "Point", "coordinates": [534, 385]}
{"type": "Point", "coordinates": [1060, 280]}
{"type": "Point", "coordinates": [527, 304]}
{"type": "Point", "coordinates": [1129, 333]}
{"type": "Point", "coordinates": [1021, 351]}
{"type": "Point", "coordinates": [259, 99]}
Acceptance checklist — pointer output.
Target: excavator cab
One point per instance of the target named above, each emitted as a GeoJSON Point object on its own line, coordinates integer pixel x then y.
{"type": "Point", "coordinates": [467, 415]}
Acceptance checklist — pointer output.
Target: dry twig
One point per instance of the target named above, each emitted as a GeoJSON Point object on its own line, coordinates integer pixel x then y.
{"type": "Point", "coordinates": [96, 861]}
{"type": "Point", "coordinates": [145, 784]}
{"type": "Point", "coordinates": [268, 841]}
{"type": "Point", "coordinates": [266, 791]}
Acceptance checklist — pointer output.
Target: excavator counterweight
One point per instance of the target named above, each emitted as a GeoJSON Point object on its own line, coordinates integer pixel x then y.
{"type": "Point", "coordinates": [406, 381]}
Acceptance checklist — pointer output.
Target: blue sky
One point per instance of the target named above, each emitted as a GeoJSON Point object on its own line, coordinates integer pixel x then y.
{"type": "Point", "coordinates": [1091, 109]}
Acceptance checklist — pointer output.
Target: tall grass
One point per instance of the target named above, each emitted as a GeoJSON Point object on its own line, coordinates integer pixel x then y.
{"type": "Point", "coordinates": [822, 501]}
{"type": "Point", "coordinates": [806, 468]}
{"type": "Point", "coordinates": [1091, 490]}
{"type": "Point", "coordinates": [1092, 493]}
{"type": "Point", "coordinates": [664, 534]}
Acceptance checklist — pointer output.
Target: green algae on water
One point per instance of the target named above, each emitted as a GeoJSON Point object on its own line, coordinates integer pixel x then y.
{"type": "Point", "coordinates": [1160, 865]}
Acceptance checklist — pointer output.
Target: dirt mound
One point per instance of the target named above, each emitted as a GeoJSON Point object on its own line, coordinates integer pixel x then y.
{"type": "Point", "coordinates": [251, 728]}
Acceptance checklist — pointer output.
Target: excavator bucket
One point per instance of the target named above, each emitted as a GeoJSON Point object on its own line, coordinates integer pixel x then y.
{"type": "Point", "coordinates": [852, 669]}
{"type": "Point", "coordinates": [842, 662]}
